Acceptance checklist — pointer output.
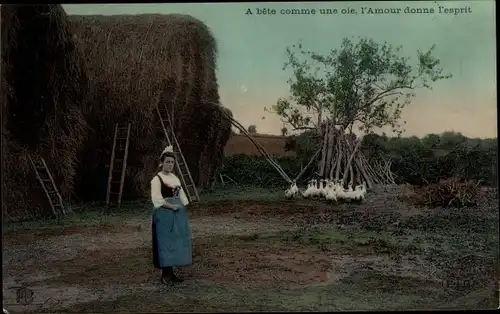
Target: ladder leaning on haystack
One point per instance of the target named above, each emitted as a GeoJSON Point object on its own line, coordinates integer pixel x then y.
{"type": "Point", "coordinates": [181, 164]}
{"type": "Point", "coordinates": [48, 185]}
{"type": "Point", "coordinates": [118, 165]}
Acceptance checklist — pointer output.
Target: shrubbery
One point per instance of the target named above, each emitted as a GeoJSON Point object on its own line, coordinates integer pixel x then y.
{"type": "Point", "coordinates": [256, 170]}
{"type": "Point", "coordinates": [414, 161]}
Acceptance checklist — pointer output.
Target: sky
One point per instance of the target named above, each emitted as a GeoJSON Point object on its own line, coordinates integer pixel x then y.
{"type": "Point", "coordinates": [252, 53]}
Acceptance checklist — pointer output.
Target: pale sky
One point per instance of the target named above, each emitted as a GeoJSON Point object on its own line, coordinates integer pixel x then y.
{"type": "Point", "coordinates": [252, 52]}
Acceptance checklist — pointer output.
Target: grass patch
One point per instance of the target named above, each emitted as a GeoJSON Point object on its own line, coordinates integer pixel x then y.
{"type": "Point", "coordinates": [368, 281]}
{"type": "Point", "coordinates": [97, 214]}
{"type": "Point", "coordinates": [242, 193]}
{"type": "Point", "coordinates": [360, 291]}
{"type": "Point", "coordinates": [93, 214]}
{"type": "Point", "coordinates": [371, 242]}
{"type": "Point", "coordinates": [453, 221]}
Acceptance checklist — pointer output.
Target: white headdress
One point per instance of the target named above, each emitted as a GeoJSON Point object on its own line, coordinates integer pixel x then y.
{"type": "Point", "coordinates": [168, 149]}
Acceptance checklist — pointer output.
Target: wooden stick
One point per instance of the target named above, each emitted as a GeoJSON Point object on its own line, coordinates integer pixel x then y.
{"type": "Point", "coordinates": [308, 164]}
{"type": "Point", "coordinates": [324, 151]}
{"type": "Point", "coordinates": [339, 156]}
{"type": "Point", "coordinates": [330, 150]}
{"type": "Point", "coordinates": [351, 157]}
{"type": "Point", "coordinates": [259, 148]}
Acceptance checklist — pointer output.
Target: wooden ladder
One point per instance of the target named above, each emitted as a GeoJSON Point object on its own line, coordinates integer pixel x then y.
{"type": "Point", "coordinates": [48, 185]}
{"type": "Point", "coordinates": [118, 165]}
{"type": "Point", "coordinates": [181, 164]}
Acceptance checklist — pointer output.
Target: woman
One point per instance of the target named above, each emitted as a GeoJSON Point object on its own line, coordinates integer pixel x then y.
{"type": "Point", "coordinates": [171, 232]}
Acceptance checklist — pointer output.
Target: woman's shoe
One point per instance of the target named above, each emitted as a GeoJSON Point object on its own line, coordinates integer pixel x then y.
{"type": "Point", "coordinates": [176, 279]}
{"type": "Point", "coordinates": [166, 280]}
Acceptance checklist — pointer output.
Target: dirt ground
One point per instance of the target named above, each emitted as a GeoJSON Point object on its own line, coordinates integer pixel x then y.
{"type": "Point", "coordinates": [265, 256]}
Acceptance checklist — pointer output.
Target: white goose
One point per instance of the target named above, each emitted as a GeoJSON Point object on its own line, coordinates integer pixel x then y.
{"type": "Point", "coordinates": [349, 187]}
{"type": "Point", "coordinates": [308, 191]}
{"type": "Point", "coordinates": [292, 191]}
{"type": "Point", "coordinates": [322, 188]}
{"type": "Point", "coordinates": [360, 192]}
{"type": "Point", "coordinates": [314, 188]}
{"type": "Point", "coordinates": [331, 193]}
{"type": "Point", "coordinates": [339, 187]}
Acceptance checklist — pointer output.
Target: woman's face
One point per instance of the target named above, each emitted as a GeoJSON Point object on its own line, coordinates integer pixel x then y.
{"type": "Point", "coordinates": [168, 164]}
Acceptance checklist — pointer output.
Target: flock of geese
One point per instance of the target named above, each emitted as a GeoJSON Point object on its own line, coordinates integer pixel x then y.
{"type": "Point", "coordinates": [332, 191]}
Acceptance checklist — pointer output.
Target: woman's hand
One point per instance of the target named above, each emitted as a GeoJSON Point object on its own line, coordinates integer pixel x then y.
{"type": "Point", "coordinates": [173, 207]}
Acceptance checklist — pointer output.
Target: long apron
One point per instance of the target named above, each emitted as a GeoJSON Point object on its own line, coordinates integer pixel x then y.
{"type": "Point", "coordinates": [171, 236]}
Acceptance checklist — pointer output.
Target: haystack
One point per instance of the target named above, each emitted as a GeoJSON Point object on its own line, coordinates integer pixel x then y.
{"type": "Point", "coordinates": [43, 86]}
{"type": "Point", "coordinates": [134, 63]}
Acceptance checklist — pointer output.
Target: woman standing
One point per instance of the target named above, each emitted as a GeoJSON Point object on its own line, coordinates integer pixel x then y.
{"type": "Point", "coordinates": [171, 232]}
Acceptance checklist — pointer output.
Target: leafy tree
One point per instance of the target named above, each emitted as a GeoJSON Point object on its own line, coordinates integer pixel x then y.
{"type": "Point", "coordinates": [452, 139]}
{"type": "Point", "coordinates": [363, 83]}
{"type": "Point", "coordinates": [284, 131]}
{"type": "Point", "coordinates": [252, 129]}
{"type": "Point", "coordinates": [431, 141]}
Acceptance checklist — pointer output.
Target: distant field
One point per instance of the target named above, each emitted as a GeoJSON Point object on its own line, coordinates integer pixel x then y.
{"type": "Point", "coordinates": [274, 145]}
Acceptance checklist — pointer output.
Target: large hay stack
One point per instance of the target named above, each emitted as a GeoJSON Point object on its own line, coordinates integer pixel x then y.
{"type": "Point", "coordinates": [43, 86]}
{"type": "Point", "coordinates": [133, 63]}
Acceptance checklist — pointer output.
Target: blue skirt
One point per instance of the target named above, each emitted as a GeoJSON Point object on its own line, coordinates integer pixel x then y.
{"type": "Point", "coordinates": [171, 236]}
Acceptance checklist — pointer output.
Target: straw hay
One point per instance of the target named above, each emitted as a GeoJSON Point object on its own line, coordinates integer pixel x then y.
{"type": "Point", "coordinates": [42, 87]}
{"type": "Point", "coordinates": [134, 62]}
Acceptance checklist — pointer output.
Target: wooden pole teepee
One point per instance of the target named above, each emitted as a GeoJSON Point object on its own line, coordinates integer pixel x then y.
{"type": "Point", "coordinates": [342, 158]}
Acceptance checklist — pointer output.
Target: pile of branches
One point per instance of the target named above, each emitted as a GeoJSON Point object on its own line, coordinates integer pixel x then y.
{"type": "Point", "coordinates": [453, 193]}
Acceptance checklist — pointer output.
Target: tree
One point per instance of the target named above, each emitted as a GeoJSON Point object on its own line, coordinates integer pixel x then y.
{"type": "Point", "coordinates": [252, 129]}
{"type": "Point", "coordinates": [450, 139]}
{"type": "Point", "coordinates": [431, 141]}
{"type": "Point", "coordinates": [284, 131]}
{"type": "Point", "coordinates": [366, 83]}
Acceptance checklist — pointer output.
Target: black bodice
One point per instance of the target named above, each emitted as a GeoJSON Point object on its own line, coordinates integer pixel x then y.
{"type": "Point", "coordinates": [167, 190]}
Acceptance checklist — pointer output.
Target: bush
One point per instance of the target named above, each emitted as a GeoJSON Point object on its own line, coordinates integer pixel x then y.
{"type": "Point", "coordinates": [413, 161]}
{"type": "Point", "coordinates": [256, 170]}
{"type": "Point", "coordinates": [447, 193]}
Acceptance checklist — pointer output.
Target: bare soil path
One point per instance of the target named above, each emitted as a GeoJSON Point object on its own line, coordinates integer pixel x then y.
{"type": "Point", "coordinates": [259, 255]}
